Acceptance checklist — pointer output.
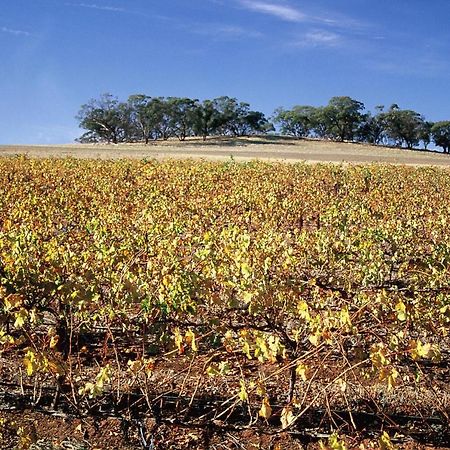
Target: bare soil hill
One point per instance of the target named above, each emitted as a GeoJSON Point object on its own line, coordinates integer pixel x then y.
{"type": "Point", "coordinates": [241, 149]}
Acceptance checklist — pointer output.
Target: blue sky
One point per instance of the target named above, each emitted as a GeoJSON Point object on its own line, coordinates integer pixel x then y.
{"type": "Point", "coordinates": [57, 54]}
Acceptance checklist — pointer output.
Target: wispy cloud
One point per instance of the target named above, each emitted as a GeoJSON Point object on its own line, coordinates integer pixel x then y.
{"type": "Point", "coordinates": [95, 6]}
{"type": "Point", "coordinates": [284, 12]}
{"type": "Point", "coordinates": [312, 26]}
{"type": "Point", "coordinates": [14, 31]}
{"type": "Point", "coordinates": [321, 38]}
{"type": "Point", "coordinates": [224, 32]}
{"type": "Point", "coordinates": [318, 39]}
{"type": "Point", "coordinates": [288, 13]}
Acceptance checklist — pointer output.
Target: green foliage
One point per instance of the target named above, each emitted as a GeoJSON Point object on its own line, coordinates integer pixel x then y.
{"type": "Point", "coordinates": [105, 119]}
{"type": "Point", "coordinates": [441, 135]}
{"type": "Point", "coordinates": [373, 128]}
{"type": "Point", "coordinates": [298, 122]}
{"type": "Point", "coordinates": [143, 118]}
{"type": "Point", "coordinates": [341, 118]}
{"type": "Point", "coordinates": [404, 127]}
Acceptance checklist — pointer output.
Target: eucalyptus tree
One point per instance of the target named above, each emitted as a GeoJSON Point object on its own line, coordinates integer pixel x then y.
{"type": "Point", "coordinates": [341, 118]}
{"type": "Point", "coordinates": [255, 122]}
{"type": "Point", "coordinates": [230, 113]}
{"type": "Point", "coordinates": [298, 122]}
{"type": "Point", "coordinates": [142, 120]}
{"type": "Point", "coordinates": [183, 114]}
{"type": "Point", "coordinates": [425, 133]}
{"type": "Point", "coordinates": [440, 132]}
{"type": "Point", "coordinates": [206, 119]}
{"type": "Point", "coordinates": [105, 119]}
{"type": "Point", "coordinates": [373, 128]}
{"type": "Point", "coordinates": [403, 126]}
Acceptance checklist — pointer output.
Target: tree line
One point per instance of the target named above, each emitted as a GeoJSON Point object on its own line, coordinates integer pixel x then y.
{"type": "Point", "coordinates": [142, 118]}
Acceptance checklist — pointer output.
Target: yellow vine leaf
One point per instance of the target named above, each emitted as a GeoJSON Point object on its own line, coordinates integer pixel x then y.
{"type": "Point", "coordinates": [246, 270]}
{"type": "Point", "coordinates": [134, 366]}
{"type": "Point", "coordinates": [287, 417]}
{"type": "Point", "coordinates": [303, 311]}
{"type": "Point", "coordinates": [265, 411]}
{"type": "Point", "coordinates": [247, 297]}
{"type": "Point", "coordinates": [342, 384]}
{"type": "Point", "coordinates": [13, 301]}
{"type": "Point", "coordinates": [344, 318]}
{"type": "Point", "coordinates": [400, 307]}
{"type": "Point", "coordinates": [243, 396]}
{"type": "Point", "coordinates": [378, 355]}
{"type": "Point", "coordinates": [20, 318]}
{"type": "Point", "coordinates": [224, 368]}
{"type": "Point", "coordinates": [5, 338]}
{"type": "Point", "coordinates": [385, 442]}
{"type": "Point", "coordinates": [303, 371]}
{"type": "Point", "coordinates": [246, 350]}
{"type": "Point", "coordinates": [211, 371]}
{"type": "Point", "coordinates": [333, 443]}
{"type": "Point", "coordinates": [390, 375]}
{"type": "Point", "coordinates": [260, 388]}
{"type": "Point", "coordinates": [178, 341]}
{"type": "Point", "coordinates": [53, 341]}
{"type": "Point", "coordinates": [315, 338]}
{"type": "Point", "coordinates": [425, 351]}
{"type": "Point", "coordinates": [96, 389]}
{"type": "Point", "coordinates": [30, 362]}
{"type": "Point", "coordinates": [190, 339]}
{"type": "Point", "coordinates": [27, 437]}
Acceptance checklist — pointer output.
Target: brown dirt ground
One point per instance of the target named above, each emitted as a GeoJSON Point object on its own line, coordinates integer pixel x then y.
{"type": "Point", "coordinates": [70, 433]}
{"type": "Point", "coordinates": [104, 430]}
{"type": "Point", "coordinates": [241, 149]}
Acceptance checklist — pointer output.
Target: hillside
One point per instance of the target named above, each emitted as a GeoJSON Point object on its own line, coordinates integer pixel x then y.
{"type": "Point", "coordinates": [241, 149]}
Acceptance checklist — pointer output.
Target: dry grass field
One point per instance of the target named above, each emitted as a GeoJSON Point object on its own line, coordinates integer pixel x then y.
{"type": "Point", "coordinates": [241, 149]}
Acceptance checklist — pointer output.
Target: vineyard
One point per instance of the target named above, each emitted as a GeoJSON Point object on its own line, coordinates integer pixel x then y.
{"type": "Point", "coordinates": [182, 304]}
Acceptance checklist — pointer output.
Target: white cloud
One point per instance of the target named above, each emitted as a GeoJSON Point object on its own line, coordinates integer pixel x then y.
{"type": "Point", "coordinates": [317, 38]}
{"type": "Point", "coordinates": [95, 6]}
{"type": "Point", "coordinates": [288, 13]}
{"type": "Point", "coordinates": [225, 31]}
{"type": "Point", "coordinates": [322, 38]}
{"type": "Point", "coordinates": [283, 12]}
{"type": "Point", "coordinates": [14, 31]}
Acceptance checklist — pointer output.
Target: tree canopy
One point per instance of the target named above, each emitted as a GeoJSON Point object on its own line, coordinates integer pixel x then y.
{"type": "Point", "coordinates": [342, 117]}
{"type": "Point", "coordinates": [440, 132]}
{"type": "Point", "coordinates": [142, 118]}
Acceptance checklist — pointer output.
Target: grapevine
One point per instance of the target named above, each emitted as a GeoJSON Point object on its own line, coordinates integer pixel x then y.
{"type": "Point", "coordinates": [275, 291]}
